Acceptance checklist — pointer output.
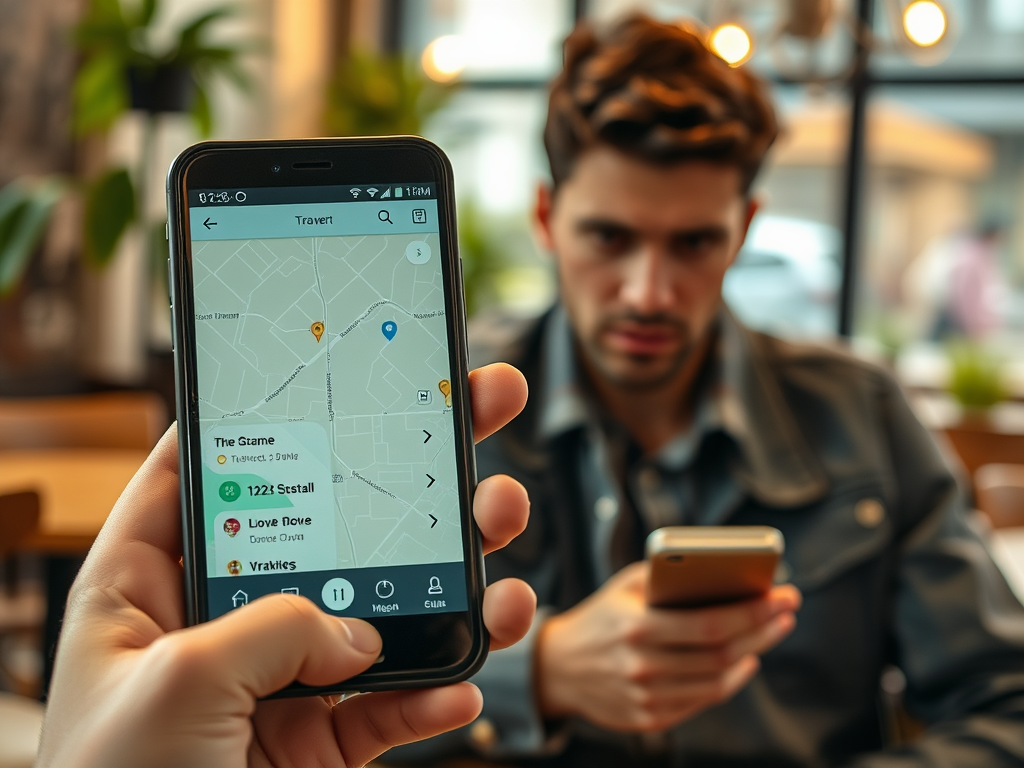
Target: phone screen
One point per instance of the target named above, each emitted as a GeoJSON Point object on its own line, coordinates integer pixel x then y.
{"type": "Point", "coordinates": [326, 425]}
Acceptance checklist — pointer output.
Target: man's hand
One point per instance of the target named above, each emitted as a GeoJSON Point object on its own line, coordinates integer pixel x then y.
{"type": "Point", "coordinates": [133, 686]}
{"type": "Point", "coordinates": [628, 667]}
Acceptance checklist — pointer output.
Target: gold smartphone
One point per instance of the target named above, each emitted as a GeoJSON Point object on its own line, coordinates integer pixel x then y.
{"type": "Point", "coordinates": [694, 566]}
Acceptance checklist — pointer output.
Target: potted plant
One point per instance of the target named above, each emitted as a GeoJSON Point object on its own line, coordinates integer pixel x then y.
{"type": "Point", "coordinates": [124, 68]}
{"type": "Point", "coordinates": [975, 378]}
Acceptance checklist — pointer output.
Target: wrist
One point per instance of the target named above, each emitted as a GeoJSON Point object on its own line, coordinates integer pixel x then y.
{"type": "Point", "coordinates": [551, 703]}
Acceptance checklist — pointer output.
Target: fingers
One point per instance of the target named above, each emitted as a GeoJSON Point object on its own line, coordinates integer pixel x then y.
{"type": "Point", "coordinates": [716, 625]}
{"type": "Point", "coordinates": [509, 606]}
{"type": "Point", "coordinates": [661, 665]}
{"type": "Point", "coordinates": [670, 703]}
{"type": "Point", "coordinates": [142, 535]}
{"type": "Point", "coordinates": [266, 645]}
{"type": "Point", "coordinates": [147, 510]}
{"type": "Point", "coordinates": [499, 394]}
{"type": "Point", "coordinates": [371, 724]}
{"type": "Point", "coordinates": [501, 509]}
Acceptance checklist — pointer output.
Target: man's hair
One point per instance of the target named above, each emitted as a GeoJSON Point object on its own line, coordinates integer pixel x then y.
{"type": "Point", "coordinates": [655, 92]}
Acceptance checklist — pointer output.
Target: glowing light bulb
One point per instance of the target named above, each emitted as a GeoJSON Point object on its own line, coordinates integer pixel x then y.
{"type": "Point", "coordinates": [444, 58]}
{"type": "Point", "coordinates": [732, 43]}
{"type": "Point", "coordinates": [924, 21]}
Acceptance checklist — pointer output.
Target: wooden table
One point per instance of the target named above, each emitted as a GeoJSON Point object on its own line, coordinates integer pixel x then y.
{"type": "Point", "coordinates": [77, 489]}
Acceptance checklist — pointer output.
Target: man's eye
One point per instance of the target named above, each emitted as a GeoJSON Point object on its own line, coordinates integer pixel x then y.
{"type": "Point", "coordinates": [610, 238]}
{"type": "Point", "coordinates": [697, 245]}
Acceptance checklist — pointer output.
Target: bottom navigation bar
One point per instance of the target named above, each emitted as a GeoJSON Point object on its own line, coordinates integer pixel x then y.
{"type": "Point", "coordinates": [401, 590]}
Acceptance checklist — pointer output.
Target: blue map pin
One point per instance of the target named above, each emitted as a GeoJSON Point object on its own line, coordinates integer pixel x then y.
{"type": "Point", "coordinates": [389, 329]}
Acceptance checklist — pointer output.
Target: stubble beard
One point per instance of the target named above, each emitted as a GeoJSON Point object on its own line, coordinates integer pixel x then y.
{"type": "Point", "coordinates": [638, 374]}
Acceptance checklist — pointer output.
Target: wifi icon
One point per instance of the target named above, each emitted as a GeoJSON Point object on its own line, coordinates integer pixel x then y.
{"type": "Point", "coordinates": [355, 193]}
{"type": "Point", "coordinates": [371, 191]}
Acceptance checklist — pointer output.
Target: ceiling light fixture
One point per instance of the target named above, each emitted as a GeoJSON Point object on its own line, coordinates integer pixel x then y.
{"type": "Point", "coordinates": [924, 23]}
{"type": "Point", "coordinates": [732, 43]}
{"type": "Point", "coordinates": [444, 58]}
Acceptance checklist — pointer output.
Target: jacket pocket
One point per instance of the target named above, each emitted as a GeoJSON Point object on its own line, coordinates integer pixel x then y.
{"type": "Point", "coordinates": [825, 540]}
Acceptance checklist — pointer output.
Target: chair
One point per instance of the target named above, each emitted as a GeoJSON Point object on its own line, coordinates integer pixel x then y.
{"type": "Point", "coordinates": [977, 446]}
{"type": "Point", "coordinates": [999, 492]}
{"type": "Point", "coordinates": [21, 722]}
{"type": "Point", "coordinates": [107, 420]}
{"type": "Point", "coordinates": [21, 610]}
{"type": "Point", "coordinates": [91, 424]}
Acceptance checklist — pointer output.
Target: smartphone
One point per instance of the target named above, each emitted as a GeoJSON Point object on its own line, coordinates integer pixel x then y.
{"type": "Point", "coordinates": [323, 405]}
{"type": "Point", "coordinates": [694, 566]}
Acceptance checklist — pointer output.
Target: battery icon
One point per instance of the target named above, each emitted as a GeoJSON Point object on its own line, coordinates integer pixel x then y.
{"type": "Point", "coordinates": [398, 191]}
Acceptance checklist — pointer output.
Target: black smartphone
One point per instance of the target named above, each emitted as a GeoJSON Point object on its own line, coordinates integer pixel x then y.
{"type": "Point", "coordinates": [322, 397]}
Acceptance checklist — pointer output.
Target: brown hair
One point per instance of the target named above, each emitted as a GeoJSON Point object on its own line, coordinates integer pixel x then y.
{"type": "Point", "coordinates": [655, 91]}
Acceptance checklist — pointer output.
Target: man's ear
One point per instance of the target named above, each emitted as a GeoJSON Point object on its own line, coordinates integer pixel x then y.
{"type": "Point", "coordinates": [542, 211]}
{"type": "Point", "coordinates": [753, 206]}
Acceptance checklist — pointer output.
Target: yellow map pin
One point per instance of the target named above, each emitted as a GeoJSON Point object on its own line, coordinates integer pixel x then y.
{"type": "Point", "coordinates": [318, 330]}
{"type": "Point", "coordinates": [446, 389]}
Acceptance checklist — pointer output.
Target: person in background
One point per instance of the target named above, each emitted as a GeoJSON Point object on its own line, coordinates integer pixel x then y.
{"type": "Point", "coordinates": [133, 687]}
{"type": "Point", "coordinates": [651, 405]}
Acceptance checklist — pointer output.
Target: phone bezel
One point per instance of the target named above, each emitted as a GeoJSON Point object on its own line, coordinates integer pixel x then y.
{"type": "Point", "coordinates": [462, 637]}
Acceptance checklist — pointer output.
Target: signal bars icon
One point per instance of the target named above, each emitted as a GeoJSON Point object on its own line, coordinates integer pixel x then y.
{"type": "Point", "coordinates": [386, 193]}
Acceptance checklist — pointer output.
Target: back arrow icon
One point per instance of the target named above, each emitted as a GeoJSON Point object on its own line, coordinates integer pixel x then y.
{"type": "Point", "coordinates": [209, 224]}
{"type": "Point", "coordinates": [432, 481]}
{"type": "Point", "coordinates": [427, 434]}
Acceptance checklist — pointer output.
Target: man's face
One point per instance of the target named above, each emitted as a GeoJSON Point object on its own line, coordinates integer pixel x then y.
{"type": "Point", "coordinates": [641, 252]}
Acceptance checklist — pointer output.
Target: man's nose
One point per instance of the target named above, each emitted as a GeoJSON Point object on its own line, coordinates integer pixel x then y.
{"type": "Point", "coordinates": [647, 286]}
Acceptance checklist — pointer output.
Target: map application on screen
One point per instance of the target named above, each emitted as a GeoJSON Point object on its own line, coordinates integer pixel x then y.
{"type": "Point", "coordinates": [325, 407]}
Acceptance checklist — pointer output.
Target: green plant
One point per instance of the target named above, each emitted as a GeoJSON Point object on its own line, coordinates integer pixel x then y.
{"type": "Point", "coordinates": [372, 95]}
{"type": "Point", "coordinates": [25, 209]}
{"type": "Point", "coordinates": [123, 67]}
{"type": "Point", "coordinates": [484, 257]}
{"type": "Point", "coordinates": [976, 375]}
{"type": "Point", "coordinates": [122, 56]}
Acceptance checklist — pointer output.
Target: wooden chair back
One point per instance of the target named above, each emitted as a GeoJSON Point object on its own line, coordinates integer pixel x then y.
{"type": "Point", "coordinates": [19, 516]}
{"type": "Point", "coordinates": [107, 420]}
{"type": "Point", "coordinates": [999, 492]}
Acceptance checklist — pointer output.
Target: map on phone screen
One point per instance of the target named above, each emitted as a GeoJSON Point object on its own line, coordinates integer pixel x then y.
{"type": "Point", "coordinates": [325, 400]}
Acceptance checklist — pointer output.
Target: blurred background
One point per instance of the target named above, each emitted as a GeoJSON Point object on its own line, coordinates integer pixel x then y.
{"type": "Point", "coordinates": [893, 205]}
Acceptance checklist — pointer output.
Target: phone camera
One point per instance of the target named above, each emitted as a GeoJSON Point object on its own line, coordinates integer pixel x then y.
{"type": "Point", "coordinates": [275, 168]}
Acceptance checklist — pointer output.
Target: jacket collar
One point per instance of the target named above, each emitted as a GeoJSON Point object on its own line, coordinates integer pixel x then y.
{"type": "Point", "coordinates": [777, 465]}
{"type": "Point", "coordinates": [742, 398]}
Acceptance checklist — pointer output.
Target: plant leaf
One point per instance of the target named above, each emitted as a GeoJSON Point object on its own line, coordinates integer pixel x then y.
{"type": "Point", "coordinates": [101, 93]}
{"type": "Point", "coordinates": [201, 112]}
{"type": "Point", "coordinates": [146, 12]}
{"type": "Point", "coordinates": [24, 215]}
{"type": "Point", "coordinates": [109, 209]}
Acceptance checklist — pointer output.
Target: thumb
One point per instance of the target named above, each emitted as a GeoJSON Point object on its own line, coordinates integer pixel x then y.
{"type": "Point", "coordinates": [632, 578]}
{"type": "Point", "coordinates": [270, 643]}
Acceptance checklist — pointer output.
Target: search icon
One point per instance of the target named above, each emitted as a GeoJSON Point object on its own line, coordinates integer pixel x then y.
{"type": "Point", "coordinates": [385, 216]}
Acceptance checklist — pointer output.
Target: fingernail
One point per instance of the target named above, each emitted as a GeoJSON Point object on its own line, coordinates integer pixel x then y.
{"type": "Point", "coordinates": [363, 636]}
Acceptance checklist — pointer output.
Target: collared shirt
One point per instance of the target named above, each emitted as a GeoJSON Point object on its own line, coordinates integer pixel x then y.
{"type": "Point", "coordinates": [661, 487]}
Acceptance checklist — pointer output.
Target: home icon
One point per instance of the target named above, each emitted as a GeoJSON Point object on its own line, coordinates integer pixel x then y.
{"type": "Point", "coordinates": [239, 599]}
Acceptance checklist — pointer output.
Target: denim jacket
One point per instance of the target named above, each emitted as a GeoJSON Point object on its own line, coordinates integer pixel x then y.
{"type": "Point", "coordinates": [823, 447]}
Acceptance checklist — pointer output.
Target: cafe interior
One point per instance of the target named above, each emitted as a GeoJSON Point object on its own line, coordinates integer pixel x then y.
{"type": "Point", "coordinates": [901, 157]}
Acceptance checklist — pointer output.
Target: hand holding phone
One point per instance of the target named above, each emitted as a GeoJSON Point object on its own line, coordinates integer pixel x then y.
{"type": "Point", "coordinates": [133, 686]}
{"type": "Point", "coordinates": [624, 665]}
{"type": "Point", "coordinates": [323, 404]}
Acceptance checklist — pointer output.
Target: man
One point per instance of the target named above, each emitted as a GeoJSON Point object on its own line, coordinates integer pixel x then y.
{"type": "Point", "coordinates": [651, 406]}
